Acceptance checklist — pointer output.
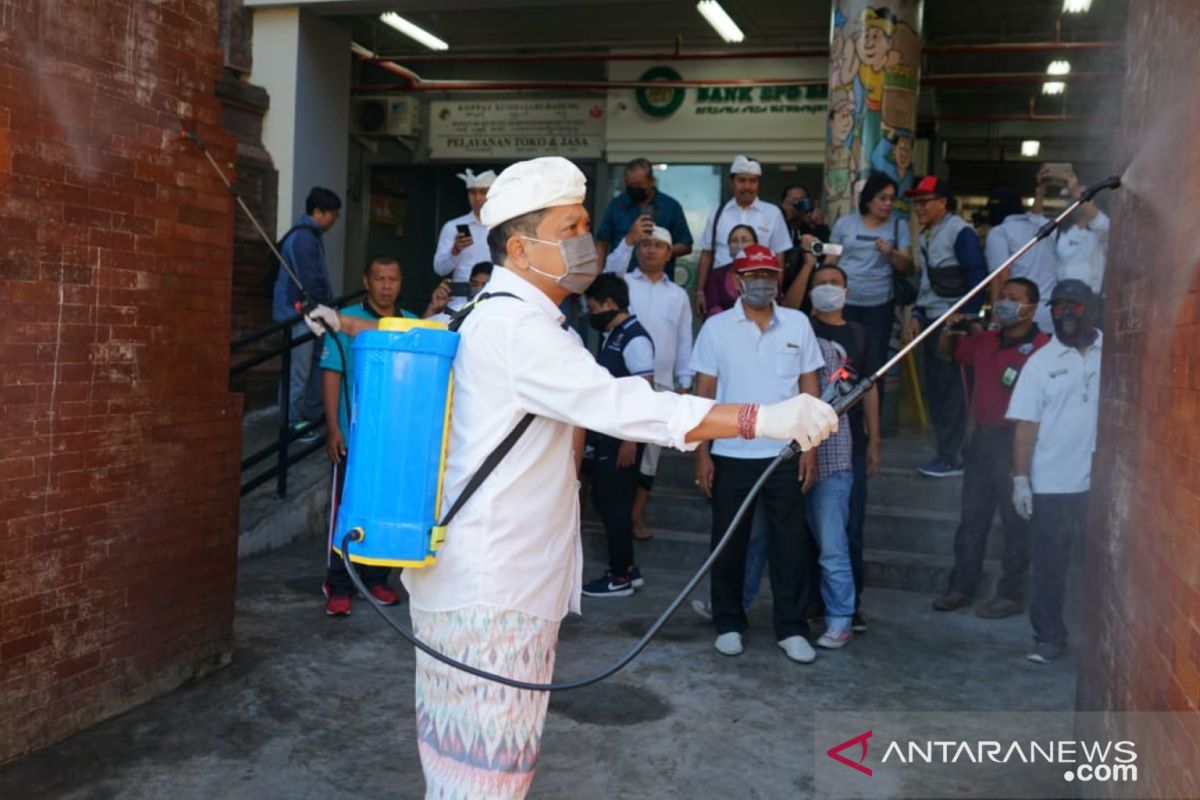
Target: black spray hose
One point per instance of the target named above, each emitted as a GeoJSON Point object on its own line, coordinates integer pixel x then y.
{"type": "Point", "coordinates": [621, 663]}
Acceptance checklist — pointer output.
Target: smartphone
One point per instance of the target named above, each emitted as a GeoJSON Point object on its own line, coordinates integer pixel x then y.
{"type": "Point", "coordinates": [460, 288]}
{"type": "Point", "coordinates": [646, 210]}
{"type": "Point", "coordinates": [464, 230]}
{"type": "Point", "coordinates": [1058, 171]}
{"type": "Point", "coordinates": [804, 204]}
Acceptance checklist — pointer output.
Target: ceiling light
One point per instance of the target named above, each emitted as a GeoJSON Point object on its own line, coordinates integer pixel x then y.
{"type": "Point", "coordinates": [415, 32]}
{"type": "Point", "coordinates": [1059, 67]}
{"type": "Point", "coordinates": [1030, 148]}
{"type": "Point", "coordinates": [721, 22]}
{"type": "Point", "coordinates": [1077, 6]}
{"type": "Point", "coordinates": [1053, 87]}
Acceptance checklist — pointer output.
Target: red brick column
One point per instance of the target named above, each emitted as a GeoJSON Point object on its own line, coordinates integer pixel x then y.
{"type": "Point", "coordinates": [120, 439]}
{"type": "Point", "coordinates": [1140, 646]}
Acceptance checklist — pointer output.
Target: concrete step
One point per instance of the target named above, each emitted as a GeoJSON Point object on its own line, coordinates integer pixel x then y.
{"type": "Point", "coordinates": [890, 569]}
{"type": "Point", "coordinates": [891, 527]}
{"type": "Point", "coordinates": [920, 572]}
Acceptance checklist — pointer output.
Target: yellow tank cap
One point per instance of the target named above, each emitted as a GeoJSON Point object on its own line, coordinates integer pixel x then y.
{"type": "Point", "coordinates": [404, 324]}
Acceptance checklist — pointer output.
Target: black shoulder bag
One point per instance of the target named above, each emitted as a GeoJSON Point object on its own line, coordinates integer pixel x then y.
{"type": "Point", "coordinates": [946, 280]}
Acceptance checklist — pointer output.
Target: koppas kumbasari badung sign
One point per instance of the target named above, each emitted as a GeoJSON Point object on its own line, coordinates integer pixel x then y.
{"type": "Point", "coordinates": [499, 129]}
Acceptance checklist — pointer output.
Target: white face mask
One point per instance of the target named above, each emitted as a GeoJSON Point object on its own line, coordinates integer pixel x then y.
{"type": "Point", "coordinates": [828, 297]}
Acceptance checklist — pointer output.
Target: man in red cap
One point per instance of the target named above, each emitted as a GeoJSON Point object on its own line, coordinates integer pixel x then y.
{"type": "Point", "coordinates": [949, 261]}
{"type": "Point", "coordinates": [758, 351]}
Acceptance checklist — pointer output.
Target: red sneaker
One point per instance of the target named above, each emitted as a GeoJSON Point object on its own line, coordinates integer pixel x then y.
{"type": "Point", "coordinates": [384, 595]}
{"type": "Point", "coordinates": [338, 606]}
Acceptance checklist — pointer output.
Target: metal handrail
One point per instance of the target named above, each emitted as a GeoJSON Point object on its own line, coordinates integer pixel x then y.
{"type": "Point", "coordinates": [287, 435]}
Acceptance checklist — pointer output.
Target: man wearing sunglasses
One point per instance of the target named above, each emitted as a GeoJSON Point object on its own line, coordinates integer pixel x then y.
{"type": "Point", "coordinates": [1054, 406]}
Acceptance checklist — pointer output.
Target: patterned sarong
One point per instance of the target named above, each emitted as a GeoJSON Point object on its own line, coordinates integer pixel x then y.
{"type": "Point", "coordinates": [479, 740]}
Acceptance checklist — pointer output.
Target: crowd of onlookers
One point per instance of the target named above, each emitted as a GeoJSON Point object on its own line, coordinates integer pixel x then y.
{"type": "Point", "coordinates": [784, 304]}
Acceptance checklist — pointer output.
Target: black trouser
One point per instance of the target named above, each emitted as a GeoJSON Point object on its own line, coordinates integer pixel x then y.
{"type": "Point", "coordinates": [858, 518]}
{"type": "Point", "coordinates": [1057, 518]}
{"type": "Point", "coordinates": [613, 490]}
{"type": "Point", "coordinates": [878, 322]}
{"type": "Point", "coordinates": [789, 550]}
{"type": "Point", "coordinates": [945, 398]}
{"type": "Point", "coordinates": [336, 575]}
{"type": "Point", "coordinates": [986, 486]}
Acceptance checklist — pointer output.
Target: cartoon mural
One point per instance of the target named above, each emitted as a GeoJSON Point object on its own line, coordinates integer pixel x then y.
{"type": "Point", "coordinates": [874, 69]}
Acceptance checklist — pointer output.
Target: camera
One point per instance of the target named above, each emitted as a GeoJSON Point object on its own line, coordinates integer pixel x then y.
{"type": "Point", "coordinates": [825, 249]}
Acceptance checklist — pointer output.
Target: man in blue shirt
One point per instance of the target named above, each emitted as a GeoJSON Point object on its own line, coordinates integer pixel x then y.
{"type": "Point", "coordinates": [633, 214]}
{"type": "Point", "coordinates": [382, 281]}
{"type": "Point", "coordinates": [301, 247]}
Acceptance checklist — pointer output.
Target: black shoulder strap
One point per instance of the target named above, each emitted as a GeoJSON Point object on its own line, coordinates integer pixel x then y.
{"type": "Point", "coordinates": [496, 456]}
{"type": "Point", "coordinates": [716, 219]}
{"type": "Point", "coordinates": [461, 315]}
{"type": "Point", "coordinates": [485, 469]}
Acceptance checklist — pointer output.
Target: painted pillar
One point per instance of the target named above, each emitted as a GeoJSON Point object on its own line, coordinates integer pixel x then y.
{"type": "Point", "coordinates": [874, 75]}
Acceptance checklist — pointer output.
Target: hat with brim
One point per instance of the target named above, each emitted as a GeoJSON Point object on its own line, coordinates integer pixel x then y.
{"type": "Point", "coordinates": [755, 257]}
{"type": "Point", "coordinates": [1071, 290]}
{"type": "Point", "coordinates": [930, 186]}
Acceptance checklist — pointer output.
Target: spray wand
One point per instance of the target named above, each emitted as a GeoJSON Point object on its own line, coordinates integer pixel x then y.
{"type": "Point", "coordinates": [306, 303]}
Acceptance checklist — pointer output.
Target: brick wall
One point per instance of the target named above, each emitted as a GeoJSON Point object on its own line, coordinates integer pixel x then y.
{"type": "Point", "coordinates": [119, 449]}
{"type": "Point", "coordinates": [1140, 648]}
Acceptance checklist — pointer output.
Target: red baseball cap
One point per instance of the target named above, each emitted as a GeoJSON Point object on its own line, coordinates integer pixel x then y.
{"type": "Point", "coordinates": [930, 186]}
{"type": "Point", "coordinates": [755, 256]}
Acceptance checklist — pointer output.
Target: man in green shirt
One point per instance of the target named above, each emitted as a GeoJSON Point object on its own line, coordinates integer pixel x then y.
{"type": "Point", "coordinates": [382, 279]}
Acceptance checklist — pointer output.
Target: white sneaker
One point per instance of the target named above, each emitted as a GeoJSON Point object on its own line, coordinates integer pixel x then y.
{"type": "Point", "coordinates": [729, 644]}
{"type": "Point", "coordinates": [798, 649]}
{"type": "Point", "coordinates": [835, 640]}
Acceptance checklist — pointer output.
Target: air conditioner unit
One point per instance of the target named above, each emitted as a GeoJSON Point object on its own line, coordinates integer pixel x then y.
{"type": "Point", "coordinates": [392, 115]}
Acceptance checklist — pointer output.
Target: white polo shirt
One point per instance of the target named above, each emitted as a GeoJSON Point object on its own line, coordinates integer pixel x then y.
{"type": "Point", "coordinates": [755, 366]}
{"type": "Point", "coordinates": [458, 267]}
{"type": "Point", "coordinates": [1060, 390]}
{"type": "Point", "coordinates": [515, 544]}
{"type": "Point", "coordinates": [665, 311]}
{"type": "Point", "coordinates": [1039, 265]}
{"type": "Point", "coordinates": [1081, 252]}
{"type": "Point", "coordinates": [766, 220]}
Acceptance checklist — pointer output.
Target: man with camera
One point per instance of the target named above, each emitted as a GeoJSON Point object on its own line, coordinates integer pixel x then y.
{"type": "Point", "coordinates": [462, 243]}
{"type": "Point", "coordinates": [997, 356]}
{"type": "Point", "coordinates": [950, 261]}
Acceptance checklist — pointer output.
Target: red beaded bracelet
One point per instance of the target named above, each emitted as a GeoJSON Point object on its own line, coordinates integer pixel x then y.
{"type": "Point", "coordinates": [747, 420]}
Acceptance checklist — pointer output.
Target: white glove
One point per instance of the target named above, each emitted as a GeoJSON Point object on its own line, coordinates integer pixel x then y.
{"type": "Point", "coordinates": [803, 418]}
{"type": "Point", "coordinates": [1022, 497]}
{"type": "Point", "coordinates": [322, 314]}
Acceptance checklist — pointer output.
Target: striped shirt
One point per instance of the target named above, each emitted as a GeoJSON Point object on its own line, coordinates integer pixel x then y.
{"type": "Point", "coordinates": [836, 453]}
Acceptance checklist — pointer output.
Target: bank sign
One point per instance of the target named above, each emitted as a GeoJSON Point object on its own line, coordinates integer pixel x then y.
{"type": "Point", "coordinates": [724, 99]}
{"type": "Point", "coordinates": [773, 109]}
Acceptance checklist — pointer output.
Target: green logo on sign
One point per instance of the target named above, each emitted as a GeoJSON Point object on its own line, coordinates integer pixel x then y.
{"type": "Point", "coordinates": [660, 102]}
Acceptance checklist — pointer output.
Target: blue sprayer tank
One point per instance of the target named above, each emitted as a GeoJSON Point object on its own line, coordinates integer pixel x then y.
{"type": "Point", "coordinates": [400, 424]}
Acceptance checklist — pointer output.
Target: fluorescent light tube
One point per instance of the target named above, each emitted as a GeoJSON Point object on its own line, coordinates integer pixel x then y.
{"type": "Point", "coordinates": [721, 22]}
{"type": "Point", "coordinates": [414, 32]}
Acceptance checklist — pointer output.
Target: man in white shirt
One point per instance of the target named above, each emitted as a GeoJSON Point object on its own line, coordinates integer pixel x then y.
{"type": "Point", "coordinates": [509, 569]}
{"type": "Point", "coordinates": [758, 351]}
{"type": "Point", "coordinates": [1082, 243]}
{"type": "Point", "coordinates": [1055, 405]}
{"type": "Point", "coordinates": [1012, 227]}
{"type": "Point", "coordinates": [663, 309]}
{"type": "Point", "coordinates": [745, 208]}
{"type": "Point", "coordinates": [462, 242]}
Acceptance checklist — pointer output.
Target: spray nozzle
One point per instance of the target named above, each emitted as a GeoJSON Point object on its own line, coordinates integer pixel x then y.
{"type": "Point", "coordinates": [1111, 182]}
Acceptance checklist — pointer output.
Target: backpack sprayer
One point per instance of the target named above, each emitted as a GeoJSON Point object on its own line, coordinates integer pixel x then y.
{"type": "Point", "coordinates": [391, 508]}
